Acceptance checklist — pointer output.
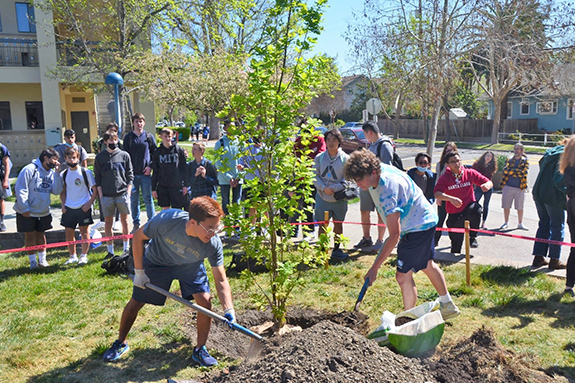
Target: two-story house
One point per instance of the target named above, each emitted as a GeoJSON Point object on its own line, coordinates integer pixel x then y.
{"type": "Point", "coordinates": [35, 108]}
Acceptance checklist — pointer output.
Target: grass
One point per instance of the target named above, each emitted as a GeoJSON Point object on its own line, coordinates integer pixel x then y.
{"type": "Point", "coordinates": [57, 322]}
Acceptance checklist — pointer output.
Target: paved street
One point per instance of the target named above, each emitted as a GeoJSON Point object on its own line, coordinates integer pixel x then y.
{"type": "Point", "coordinates": [495, 250]}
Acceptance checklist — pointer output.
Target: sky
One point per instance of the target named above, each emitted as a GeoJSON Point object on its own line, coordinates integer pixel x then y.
{"type": "Point", "coordinates": [336, 18]}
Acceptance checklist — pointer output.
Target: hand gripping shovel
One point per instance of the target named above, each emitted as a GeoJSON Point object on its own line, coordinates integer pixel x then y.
{"type": "Point", "coordinates": [255, 346]}
{"type": "Point", "coordinates": [361, 294]}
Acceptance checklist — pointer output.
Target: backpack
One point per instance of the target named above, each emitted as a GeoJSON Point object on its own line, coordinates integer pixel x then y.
{"type": "Point", "coordinates": [119, 264]}
{"type": "Point", "coordinates": [240, 263]}
{"type": "Point", "coordinates": [396, 159]}
{"type": "Point", "coordinates": [84, 174]}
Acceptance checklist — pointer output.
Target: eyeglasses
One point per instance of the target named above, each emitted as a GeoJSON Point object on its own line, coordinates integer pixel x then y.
{"type": "Point", "coordinates": [212, 231]}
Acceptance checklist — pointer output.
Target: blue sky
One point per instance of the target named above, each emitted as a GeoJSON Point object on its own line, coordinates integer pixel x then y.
{"type": "Point", "coordinates": [336, 18]}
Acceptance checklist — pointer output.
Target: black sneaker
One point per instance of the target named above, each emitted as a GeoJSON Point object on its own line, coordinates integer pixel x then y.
{"type": "Point", "coordinates": [109, 255]}
{"type": "Point", "coordinates": [365, 242]}
{"type": "Point", "coordinates": [203, 357]}
{"type": "Point", "coordinates": [116, 351]}
{"type": "Point", "coordinates": [474, 243]}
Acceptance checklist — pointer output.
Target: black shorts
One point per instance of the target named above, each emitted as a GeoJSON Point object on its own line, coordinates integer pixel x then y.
{"type": "Point", "coordinates": [415, 250]}
{"type": "Point", "coordinates": [76, 217]}
{"type": "Point", "coordinates": [30, 224]}
{"type": "Point", "coordinates": [171, 197]}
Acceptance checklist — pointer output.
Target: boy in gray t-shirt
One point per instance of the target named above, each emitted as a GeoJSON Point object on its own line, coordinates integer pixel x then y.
{"type": "Point", "coordinates": [179, 243]}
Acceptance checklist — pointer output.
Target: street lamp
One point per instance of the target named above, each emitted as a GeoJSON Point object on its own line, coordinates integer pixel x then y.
{"type": "Point", "coordinates": [116, 80]}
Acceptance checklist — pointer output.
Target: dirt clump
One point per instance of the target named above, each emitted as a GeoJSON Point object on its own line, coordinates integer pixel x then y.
{"type": "Point", "coordinates": [481, 359]}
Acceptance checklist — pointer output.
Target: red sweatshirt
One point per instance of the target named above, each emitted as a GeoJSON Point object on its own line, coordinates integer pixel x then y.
{"type": "Point", "coordinates": [461, 188]}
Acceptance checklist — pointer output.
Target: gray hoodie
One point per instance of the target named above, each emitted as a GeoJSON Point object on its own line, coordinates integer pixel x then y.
{"type": "Point", "coordinates": [329, 173]}
{"type": "Point", "coordinates": [33, 188]}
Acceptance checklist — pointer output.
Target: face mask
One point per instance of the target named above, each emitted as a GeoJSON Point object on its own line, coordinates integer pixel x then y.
{"type": "Point", "coordinates": [112, 146]}
{"type": "Point", "coordinates": [72, 164]}
{"type": "Point", "coordinates": [51, 165]}
{"type": "Point", "coordinates": [423, 170]}
{"type": "Point", "coordinates": [69, 145]}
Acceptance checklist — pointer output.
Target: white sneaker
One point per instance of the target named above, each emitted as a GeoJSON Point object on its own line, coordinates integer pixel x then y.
{"type": "Point", "coordinates": [71, 260]}
{"type": "Point", "coordinates": [448, 310]}
{"type": "Point", "coordinates": [117, 226]}
{"type": "Point", "coordinates": [504, 226]}
{"type": "Point", "coordinates": [99, 225]}
{"type": "Point", "coordinates": [33, 264]}
{"type": "Point", "coordinates": [83, 260]}
{"type": "Point", "coordinates": [43, 263]}
{"type": "Point", "coordinates": [521, 227]}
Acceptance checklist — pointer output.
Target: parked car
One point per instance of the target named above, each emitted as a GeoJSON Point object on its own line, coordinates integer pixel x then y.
{"type": "Point", "coordinates": [353, 125]}
{"type": "Point", "coordinates": [353, 139]}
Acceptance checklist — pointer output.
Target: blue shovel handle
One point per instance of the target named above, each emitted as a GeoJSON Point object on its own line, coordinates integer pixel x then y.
{"type": "Point", "coordinates": [362, 293]}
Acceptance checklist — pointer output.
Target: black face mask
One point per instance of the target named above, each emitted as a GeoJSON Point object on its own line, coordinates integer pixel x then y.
{"type": "Point", "coordinates": [72, 165]}
{"type": "Point", "coordinates": [51, 165]}
{"type": "Point", "coordinates": [112, 146]}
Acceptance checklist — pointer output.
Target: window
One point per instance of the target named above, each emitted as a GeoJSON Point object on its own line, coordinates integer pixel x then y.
{"type": "Point", "coordinates": [570, 108]}
{"type": "Point", "coordinates": [5, 118]}
{"type": "Point", "coordinates": [0, 22]}
{"type": "Point", "coordinates": [35, 115]}
{"type": "Point", "coordinates": [525, 108]}
{"type": "Point", "coordinates": [25, 17]}
{"type": "Point", "coordinates": [547, 107]}
{"type": "Point", "coordinates": [509, 109]}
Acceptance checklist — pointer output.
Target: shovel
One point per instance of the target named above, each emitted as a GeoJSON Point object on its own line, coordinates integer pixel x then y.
{"type": "Point", "coordinates": [361, 294]}
{"type": "Point", "coordinates": [255, 346]}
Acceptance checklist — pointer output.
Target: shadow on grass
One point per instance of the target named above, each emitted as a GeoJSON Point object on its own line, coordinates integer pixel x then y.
{"type": "Point", "coordinates": [507, 275]}
{"type": "Point", "coordinates": [141, 365]}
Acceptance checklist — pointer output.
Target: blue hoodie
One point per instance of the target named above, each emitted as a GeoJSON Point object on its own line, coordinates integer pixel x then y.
{"type": "Point", "coordinates": [33, 188]}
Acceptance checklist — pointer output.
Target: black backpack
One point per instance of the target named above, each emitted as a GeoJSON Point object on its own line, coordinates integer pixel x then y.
{"type": "Point", "coordinates": [396, 159]}
{"type": "Point", "coordinates": [119, 264]}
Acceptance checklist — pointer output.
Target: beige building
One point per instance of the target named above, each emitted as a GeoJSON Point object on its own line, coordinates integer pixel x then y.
{"type": "Point", "coordinates": [35, 109]}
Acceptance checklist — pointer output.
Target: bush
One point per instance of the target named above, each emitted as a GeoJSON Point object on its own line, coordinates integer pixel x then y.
{"type": "Point", "coordinates": [183, 133]}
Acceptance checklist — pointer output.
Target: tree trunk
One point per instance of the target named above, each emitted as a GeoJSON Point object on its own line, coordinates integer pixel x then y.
{"type": "Point", "coordinates": [214, 123]}
{"type": "Point", "coordinates": [496, 122]}
{"type": "Point", "coordinates": [433, 130]}
{"type": "Point", "coordinates": [447, 121]}
{"type": "Point", "coordinates": [397, 117]}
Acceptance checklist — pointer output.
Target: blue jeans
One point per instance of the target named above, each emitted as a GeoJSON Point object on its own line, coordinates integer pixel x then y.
{"type": "Point", "coordinates": [486, 198]}
{"type": "Point", "coordinates": [551, 226]}
{"type": "Point", "coordinates": [145, 183]}
{"type": "Point", "coordinates": [236, 195]}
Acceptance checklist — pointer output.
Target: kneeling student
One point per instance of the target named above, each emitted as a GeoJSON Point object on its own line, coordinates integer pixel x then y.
{"type": "Point", "coordinates": [78, 194]}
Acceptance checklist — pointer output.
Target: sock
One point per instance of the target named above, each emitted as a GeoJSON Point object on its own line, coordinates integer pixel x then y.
{"type": "Point", "coordinates": [111, 249]}
{"type": "Point", "coordinates": [41, 256]}
{"type": "Point", "coordinates": [126, 245]}
{"type": "Point", "coordinates": [1, 217]}
{"type": "Point", "coordinates": [445, 298]}
{"type": "Point", "coordinates": [32, 257]}
{"type": "Point", "coordinates": [83, 255]}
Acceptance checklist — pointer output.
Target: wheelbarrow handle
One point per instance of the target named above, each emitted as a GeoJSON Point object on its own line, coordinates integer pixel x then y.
{"type": "Point", "coordinates": [203, 310]}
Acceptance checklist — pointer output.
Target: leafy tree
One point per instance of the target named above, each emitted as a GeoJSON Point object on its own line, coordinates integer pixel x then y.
{"type": "Point", "coordinates": [281, 83]}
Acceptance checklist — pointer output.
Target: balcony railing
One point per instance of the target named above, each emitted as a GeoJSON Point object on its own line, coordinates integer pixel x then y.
{"type": "Point", "coordinates": [18, 52]}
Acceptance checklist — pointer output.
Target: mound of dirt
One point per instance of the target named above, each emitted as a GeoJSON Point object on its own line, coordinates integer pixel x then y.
{"type": "Point", "coordinates": [326, 353]}
{"type": "Point", "coordinates": [481, 359]}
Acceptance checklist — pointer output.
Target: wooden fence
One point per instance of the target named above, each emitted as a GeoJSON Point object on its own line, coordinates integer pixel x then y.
{"type": "Point", "coordinates": [461, 130]}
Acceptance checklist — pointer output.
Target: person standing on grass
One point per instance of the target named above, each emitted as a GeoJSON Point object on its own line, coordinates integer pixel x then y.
{"type": "Point", "coordinates": [550, 202]}
{"type": "Point", "coordinates": [567, 168]}
{"type": "Point", "coordinates": [202, 174]}
{"type": "Point", "coordinates": [455, 189]}
{"type": "Point", "coordinates": [78, 194]}
{"type": "Point", "coordinates": [410, 221]}
{"type": "Point", "coordinates": [179, 243]}
{"type": "Point", "coordinates": [329, 179]}
{"type": "Point", "coordinates": [35, 183]}
{"type": "Point", "coordinates": [486, 165]}
{"type": "Point", "coordinates": [114, 177]}
{"type": "Point", "coordinates": [440, 169]}
{"type": "Point", "coordinates": [514, 185]}
{"type": "Point", "coordinates": [5, 167]}
{"type": "Point", "coordinates": [141, 145]}
{"type": "Point", "coordinates": [170, 173]}
{"type": "Point", "coordinates": [383, 149]}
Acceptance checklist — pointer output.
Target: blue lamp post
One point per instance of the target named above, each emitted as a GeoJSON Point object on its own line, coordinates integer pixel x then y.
{"type": "Point", "coordinates": [116, 80]}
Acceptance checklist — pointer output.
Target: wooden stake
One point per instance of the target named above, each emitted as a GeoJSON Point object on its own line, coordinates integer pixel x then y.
{"type": "Point", "coordinates": [325, 225]}
{"type": "Point", "coordinates": [467, 255]}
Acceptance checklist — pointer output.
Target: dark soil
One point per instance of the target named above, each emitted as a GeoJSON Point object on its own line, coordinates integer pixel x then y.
{"type": "Point", "coordinates": [333, 348]}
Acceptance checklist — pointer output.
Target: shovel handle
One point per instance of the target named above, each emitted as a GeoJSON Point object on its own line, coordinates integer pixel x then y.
{"type": "Point", "coordinates": [363, 290]}
{"type": "Point", "coordinates": [203, 310]}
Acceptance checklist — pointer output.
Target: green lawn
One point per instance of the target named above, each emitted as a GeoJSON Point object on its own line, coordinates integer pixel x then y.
{"type": "Point", "coordinates": [58, 321]}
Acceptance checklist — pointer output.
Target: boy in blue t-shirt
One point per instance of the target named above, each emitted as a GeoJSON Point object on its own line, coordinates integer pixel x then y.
{"type": "Point", "coordinates": [179, 243]}
{"type": "Point", "coordinates": [410, 221]}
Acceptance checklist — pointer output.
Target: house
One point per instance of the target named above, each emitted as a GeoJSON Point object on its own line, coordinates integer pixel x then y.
{"type": "Point", "coordinates": [35, 108]}
{"type": "Point", "coordinates": [340, 100]}
{"type": "Point", "coordinates": [551, 106]}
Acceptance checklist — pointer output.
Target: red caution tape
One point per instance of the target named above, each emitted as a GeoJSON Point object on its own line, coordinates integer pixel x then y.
{"type": "Point", "coordinates": [63, 244]}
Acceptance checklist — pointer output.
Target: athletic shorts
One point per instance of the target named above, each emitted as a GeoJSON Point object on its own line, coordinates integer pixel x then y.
{"type": "Point", "coordinates": [109, 205]}
{"type": "Point", "coordinates": [171, 197]}
{"type": "Point", "coordinates": [193, 280]}
{"type": "Point", "coordinates": [76, 217]}
{"type": "Point", "coordinates": [30, 224]}
{"type": "Point", "coordinates": [337, 210]}
{"type": "Point", "coordinates": [365, 201]}
{"type": "Point", "coordinates": [510, 194]}
{"type": "Point", "coordinates": [415, 250]}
